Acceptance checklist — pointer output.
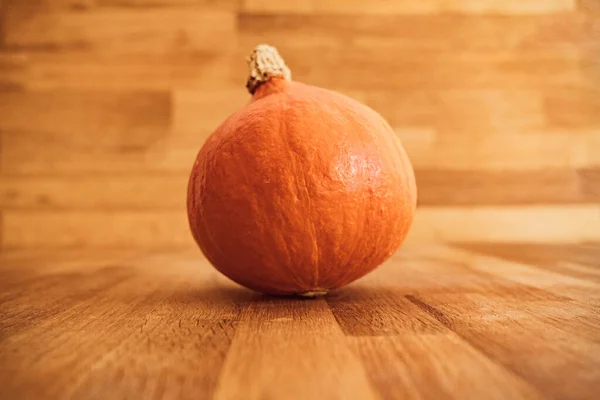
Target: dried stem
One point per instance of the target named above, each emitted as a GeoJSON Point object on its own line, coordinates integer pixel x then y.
{"type": "Point", "coordinates": [265, 63]}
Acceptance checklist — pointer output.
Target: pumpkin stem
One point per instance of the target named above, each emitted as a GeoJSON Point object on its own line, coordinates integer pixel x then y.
{"type": "Point", "coordinates": [265, 63]}
{"type": "Point", "coordinates": [314, 293]}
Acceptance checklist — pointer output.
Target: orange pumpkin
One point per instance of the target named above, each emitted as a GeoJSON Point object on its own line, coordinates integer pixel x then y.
{"type": "Point", "coordinates": [301, 191]}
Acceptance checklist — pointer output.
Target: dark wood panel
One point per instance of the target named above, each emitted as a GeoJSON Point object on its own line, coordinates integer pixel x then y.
{"type": "Point", "coordinates": [214, 4]}
{"type": "Point", "coordinates": [52, 153]}
{"type": "Point", "coordinates": [573, 108]}
{"type": "Point", "coordinates": [92, 119]}
{"type": "Point", "coordinates": [437, 187]}
{"type": "Point", "coordinates": [590, 183]}
{"type": "Point", "coordinates": [122, 191]}
{"type": "Point", "coordinates": [12, 70]}
{"type": "Point", "coordinates": [72, 4]}
{"type": "Point", "coordinates": [81, 71]}
{"type": "Point", "coordinates": [110, 30]}
{"type": "Point", "coordinates": [153, 189]}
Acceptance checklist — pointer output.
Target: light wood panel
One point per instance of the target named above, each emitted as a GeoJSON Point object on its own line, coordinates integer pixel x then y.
{"type": "Point", "coordinates": [104, 105]}
{"type": "Point", "coordinates": [503, 152]}
{"type": "Point", "coordinates": [103, 228]}
{"type": "Point", "coordinates": [121, 30]}
{"type": "Point", "coordinates": [149, 191]}
{"type": "Point", "coordinates": [409, 6]}
{"type": "Point", "coordinates": [292, 328]}
{"type": "Point", "coordinates": [434, 322]}
{"type": "Point", "coordinates": [542, 223]}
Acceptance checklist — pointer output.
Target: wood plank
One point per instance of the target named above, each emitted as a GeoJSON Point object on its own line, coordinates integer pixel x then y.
{"type": "Point", "coordinates": [90, 191]}
{"type": "Point", "coordinates": [369, 311]}
{"type": "Point", "coordinates": [145, 330]}
{"type": "Point", "coordinates": [574, 109]}
{"type": "Point", "coordinates": [461, 112]}
{"type": "Point", "coordinates": [590, 183]}
{"type": "Point", "coordinates": [196, 114]}
{"type": "Point", "coordinates": [540, 355]}
{"type": "Point", "coordinates": [72, 4]}
{"type": "Point", "coordinates": [554, 149]}
{"type": "Point", "coordinates": [82, 70]}
{"type": "Point", "coordinates": [41, 152]}
{"type": "Point", "coordinates": [276, 332]}
{"type": "Point", "coordinates": [417, 363]}
{"type": "Point", "coordinates": [117, 30]}
{"type": "Point", "coordinates": [170, 319]}
{"type": "Point", "coordinates": [541, 255]}
{"type": "Point", "coordinates": [572, 260]}
{"type": "Point", "coordinates": [509, 7]}
{"type": "Point", "coordinates": [432, 71]}
{"type": "Point", "coordinates": [125, 120]}
{"type": "Point", "coordinates": [484, 113]}
{"type": "Point", "coordinates": [421, 269]}
{"type": "Point", "coordinates": [453, 32]}
{"type": "Point", "coordinates": [39, 229]}
{"type": "Point", "coordinates": [549, 282]}
{"type": "Point", "coordinates": [589, 6]}
{"type": "Point", "coordinates": [584, 291]}
{"type": "Point", "coordinates": [159, 190]}
{"type": "Point", "coordinates": [44, 154]}
{"type": "Point", "coordinates": [476, 187]}
{"type": "Point", "coordinates": [12, 68]}
{"type": "Point", "coordinates": [232, 5]}
{"type": "Point", "coordinates": [567, 223]}
{"type": "Point", "coordinates": [424, 269]}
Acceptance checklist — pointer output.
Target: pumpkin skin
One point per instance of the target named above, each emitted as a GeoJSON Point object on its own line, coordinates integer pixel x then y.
{"type": "Point", "coordinates": [301, 191]}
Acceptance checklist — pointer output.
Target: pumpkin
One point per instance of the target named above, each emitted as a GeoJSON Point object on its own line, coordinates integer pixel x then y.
{"type": "Point", "coordinates": [302, 190]}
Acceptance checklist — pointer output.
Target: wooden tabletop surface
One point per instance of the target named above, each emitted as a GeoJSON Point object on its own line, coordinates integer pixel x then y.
{"type": "Point", "coordinates": [438, 321]}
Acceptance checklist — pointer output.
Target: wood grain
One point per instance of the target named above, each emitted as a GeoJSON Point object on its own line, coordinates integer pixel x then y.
{"type": "Point", "coordinates": [539, 223]}
{"type": "Point", "coordinates": [288, 331]}
{"type": "Point", "coordinates": [408, 6]}
{"type": "Point", "coordinates": [39, 229]}
{"type": "Point", "coordinates": [76, 70]}
{"type": "Point", "coordinates": [470, 188]}
{"type": "Point", "coordinates": [409, 32]}
{"type": "Point", "coordinates": [433, 322]}
{"type": "Point", "coordinates": [150, 191]}
{"type": "Point", "coordinates": [120, 120]}
{"type": "Point", "coordinates": [104, 105]}
{"type": "Point", "coordinates": [120, 30]}
{"type": "Point", "coordinates": [416, 363]}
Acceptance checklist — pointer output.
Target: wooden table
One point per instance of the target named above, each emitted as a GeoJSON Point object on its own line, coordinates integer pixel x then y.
{"type": "Point", "coordinates": [466, 322]}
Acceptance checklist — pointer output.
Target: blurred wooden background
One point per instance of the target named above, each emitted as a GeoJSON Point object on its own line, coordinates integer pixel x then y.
{"type": "Point", "coordinates": [105, 103]}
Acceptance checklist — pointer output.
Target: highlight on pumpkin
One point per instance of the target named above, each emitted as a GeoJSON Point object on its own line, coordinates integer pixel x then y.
{"type": "Point", "coordinates": [301, 191]}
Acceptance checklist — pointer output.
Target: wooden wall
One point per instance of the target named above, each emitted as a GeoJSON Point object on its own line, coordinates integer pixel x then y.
{"type": "Point", "coordinates": [104, 104]}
